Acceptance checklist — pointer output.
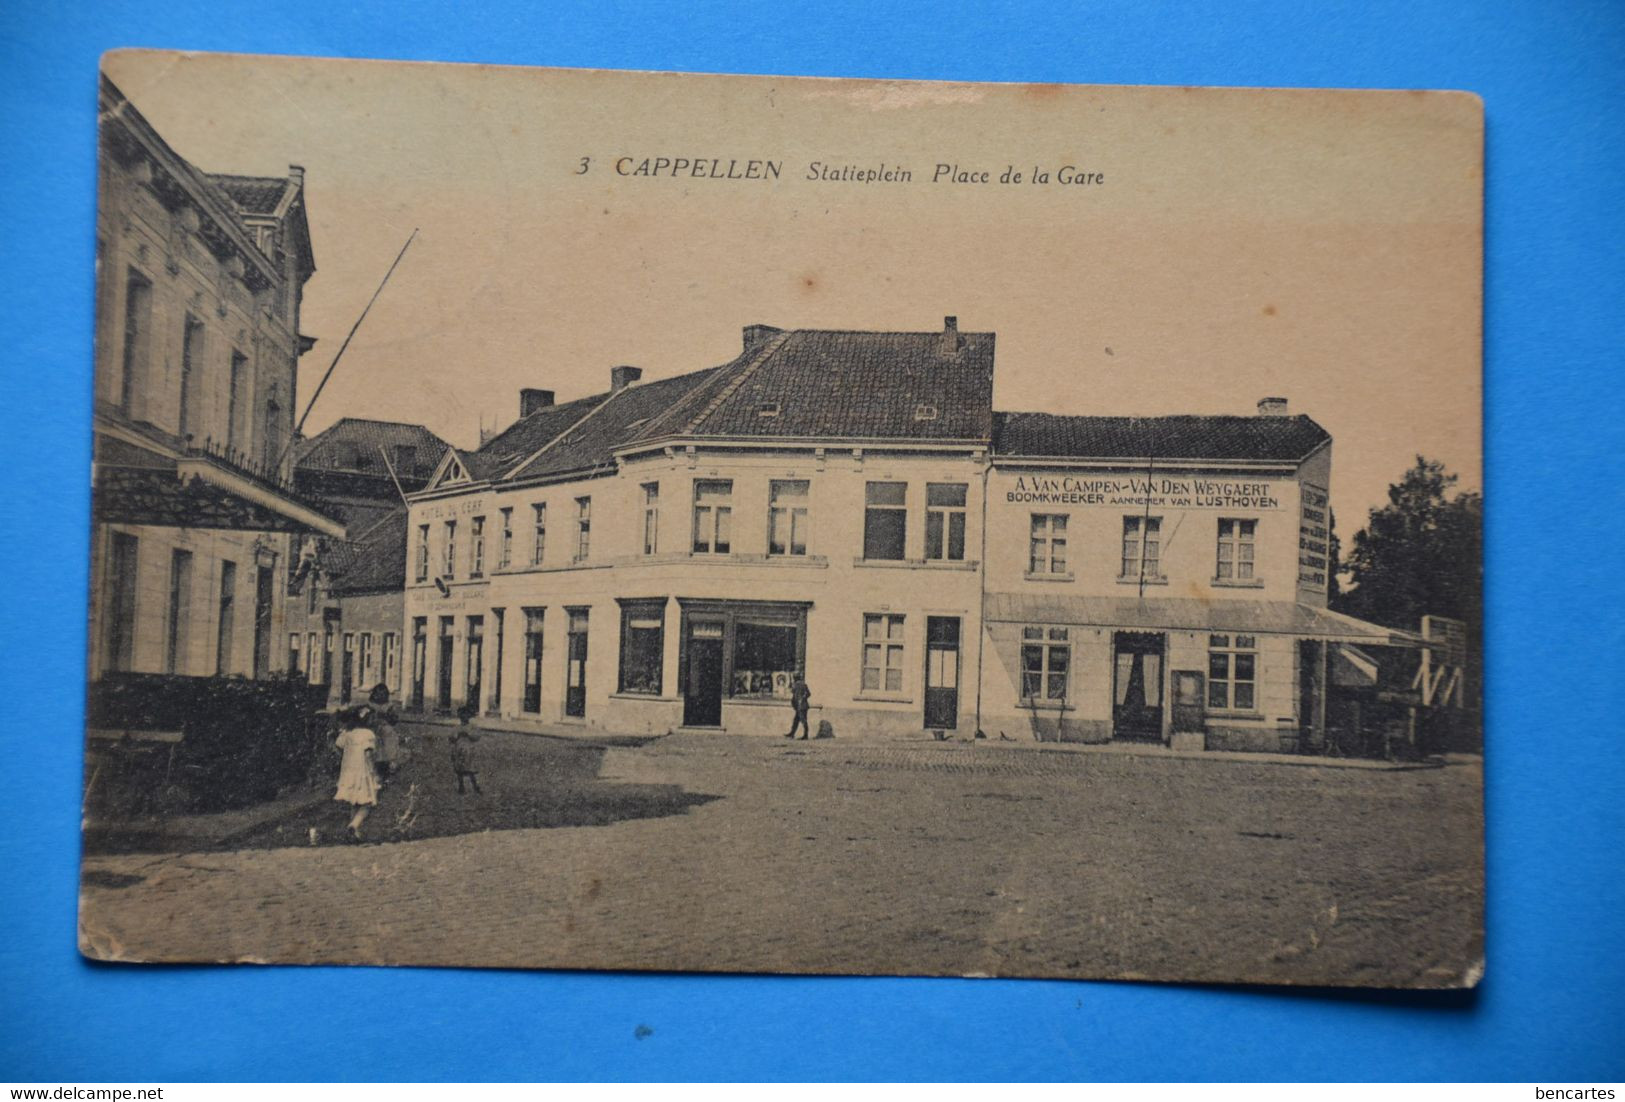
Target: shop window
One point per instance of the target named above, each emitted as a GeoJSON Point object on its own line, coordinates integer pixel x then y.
{"type": "Point", "coordinates": [532, 701]}
{"type": "Point", "coordinates": [882, 653]}
{"type": "Point", "coordinates": [539, 526]}
{"type": "Point", "coordinates": [1046, 545]}
{"type": "Point", "coordinates": [643, 638]}
{"type": "Point", "coordinates": [476, 547]}
{"type": "Point", "coordinates": [1046, 663]}
{"type": "Point", "coordinates": [583, 528]}
{"type": "Point", "coordinates": [945, 521]}
{"type": "Point", "coordinates": [1142, 547]}
{"type": "Point", "coordinates": [765, 654]}
{"type": "Point", "coordinates": [713, 517]}
{"type": "Point", "coordinates": [423, 555]}
{"type": "Point", "coordinates": [787, 517]}
{"type": "Point", "coordinates": [505, 551]}
{"type": "Point", "coordinates": [1235, 560]}
{"type": "Point", "coordinates": [651, 517]}
{"type": "Point", "coordinates": [449, 563]}
{"type": "Point", "coordinates": [885, 520]}
{"type": "Point", "coordinates": [1232, 672]}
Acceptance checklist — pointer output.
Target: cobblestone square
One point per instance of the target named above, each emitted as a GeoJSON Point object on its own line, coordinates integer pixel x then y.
{"type": "Point", "coordinates": [722, 853]}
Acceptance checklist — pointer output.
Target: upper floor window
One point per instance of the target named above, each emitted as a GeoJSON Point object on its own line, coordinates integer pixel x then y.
{"type": "Point", "coordinates": [583, 527]}
{"type": "Point", "coordinates": [651, 517]}
{"type": "Point", "coordinates": [476, 547]}
{"type": "Point", "coordinates": [713, 517]}
{"type": "Point", "coordinates": [1235, 549]}
{"type": "Point", "coordinates": [539, 522]}
{"type": "Point", "coordinates": [945, 521]}
{"type": "Point", "coordinates": [885, 519]}
{"type": "Point", "coordinates": [1232, 671]}
{"type": "Point", "coordinates": [1142, 547]}
{"type": "Point", "coordinates": [137, 336]}
{"type": "Point", "coordinates": [1046, 544]}
{"type": "Point", "coordinates": [787, 517]}
{"type": "Point", "coordinates": [450, 562]}
{"type": "Point", "coordinates": [505, 552]}
{"type": "Point", "coordinates": [191, 376]}
{"type": "Point", "coordinates": [423, 555]}
{"type": "Point", "coordinates": [235, 400]}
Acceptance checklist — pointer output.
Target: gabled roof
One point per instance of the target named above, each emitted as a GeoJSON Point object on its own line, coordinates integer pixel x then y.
{"type": "Point", "coordinates": [374, 560]}
{"type": "Point", "coordinates": [1196, 437]}
{"type": "Point", "coordinates": [846, 384]}
{"type": "Point", "coordinates": [525, 437]}
{"type": "Point", "coordinates": [353, 443]}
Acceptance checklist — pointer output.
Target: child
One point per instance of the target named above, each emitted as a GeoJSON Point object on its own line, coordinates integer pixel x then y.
{"type": "Point", "coordinates": [462, 751]}
{"type": "Point", "coordinates": [387, 754]}
{"type": "Point", "coordinates": [358, 783]}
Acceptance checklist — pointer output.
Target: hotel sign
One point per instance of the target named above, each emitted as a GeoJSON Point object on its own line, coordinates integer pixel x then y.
{"type": "Point", "coordinates": [1154, 491]}
{"type": "Point", "coordinates": [1314, 539]}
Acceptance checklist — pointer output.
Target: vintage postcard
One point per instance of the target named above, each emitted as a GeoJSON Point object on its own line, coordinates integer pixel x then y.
{"type": "Point", "coordinates": [578, 519]}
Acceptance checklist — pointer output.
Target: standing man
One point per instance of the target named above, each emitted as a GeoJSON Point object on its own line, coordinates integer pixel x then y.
{"type": "Point", "coordinates": [800, 699]}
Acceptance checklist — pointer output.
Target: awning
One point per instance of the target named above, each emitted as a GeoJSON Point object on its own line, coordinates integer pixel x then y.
{"type": "Point", "coordinates": [199, 494]}
{"type": "Point", "coordinates": [1248, 617]}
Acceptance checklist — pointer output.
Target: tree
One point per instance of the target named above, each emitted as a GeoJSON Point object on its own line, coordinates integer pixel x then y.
{"type": "Point", "coordinates": [1422, 553]}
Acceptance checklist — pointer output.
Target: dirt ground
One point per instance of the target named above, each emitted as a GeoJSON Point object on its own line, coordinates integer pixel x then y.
{"type": "Point", "coordinates": [722, 853]}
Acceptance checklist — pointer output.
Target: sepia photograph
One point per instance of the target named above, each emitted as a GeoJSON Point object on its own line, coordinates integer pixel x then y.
{"type": "Point", "coordinates": [500, 473]}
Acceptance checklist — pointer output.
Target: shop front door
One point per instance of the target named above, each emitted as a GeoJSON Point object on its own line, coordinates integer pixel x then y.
{"type": "Point", "coordinates": [702, 686]}
{"type": "Point", "coordinates": [1137, 686]}
{"type": "Point", "coordinates": [443, 669]}
{"type": "Point", "coordinates": [942, 672]}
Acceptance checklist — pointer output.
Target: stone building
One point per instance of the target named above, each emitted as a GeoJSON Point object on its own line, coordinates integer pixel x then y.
{"type": "Point", "coordinates": [199, 282]}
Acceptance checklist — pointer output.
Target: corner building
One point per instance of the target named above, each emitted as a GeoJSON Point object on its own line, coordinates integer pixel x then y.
{"type": "Point", "coordinates": [669, 554]}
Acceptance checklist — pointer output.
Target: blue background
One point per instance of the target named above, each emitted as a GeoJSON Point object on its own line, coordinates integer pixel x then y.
{"type": "Point", "coordinates": [1553, 1005]}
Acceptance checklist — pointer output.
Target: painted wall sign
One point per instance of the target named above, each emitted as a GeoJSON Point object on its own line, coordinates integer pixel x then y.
{"type": "Point", "coordinates": [1314, 539]}
{"type": "Point", "coordinates": [1158, 491]}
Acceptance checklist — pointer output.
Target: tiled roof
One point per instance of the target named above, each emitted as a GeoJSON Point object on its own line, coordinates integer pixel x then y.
{"type": "Point", "coordinates": [352, 444]}
{"type": "Point", "coordinates": [374, 559]}
{"type": "Point", "coordinates": [252, 194]}
{"type": "Point", "coordinates": [1181, 437]}
{"type": "Point", "coordinates": [854, 385]}
{"type": "Point", "coordinates": [612, 423]}
{"type": "Point", "coordinates": [525, 437]}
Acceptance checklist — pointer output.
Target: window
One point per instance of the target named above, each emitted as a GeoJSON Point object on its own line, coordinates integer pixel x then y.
{"type": "Point", "coordinates": [765, 657]}
{"type": "Point", "coordinates": [505, 555]}
{"type": "Point", "coordinates": [1236, 550]}
{"type": "Point", "coordinates": [137, 336]}
{"type": "Point", "coordinates": [642, 645]}
{"type": "Point", "coordinates": [121, 584]}
{"type": "Point", "coordinates": [474, 661]}
{"type": "Point", "coordinates": [235, 400]}
{"type": "Point", "coordinates": [449, 563]}
{"type": "Point", "coordinates": [945, 521]}
{"type": "Point", "coordinates": [1232, 672]}
{"type": "Point", "coordinates": [499, 618]}
{"type": "Point", "coordinates": [423, 554]}
{"type": "Point", "coordinates": [882, 653]}
{"type": "Point", "coordinates": [651, 517]}
{"type": "Point", "coordinates": [885, 519]}
{"type": "Point", "coordinates": [787, 517]}
{"type": "Point", "coordinates": [191, 374]}
{"type": "Point", "coordinates": [713, 517]}
{"type": "Point", "coordinates": [225, 624]}
{"type": "Point", "coordinates": [295, 661]}
{"type": "Point", "coordinates": [389, 658]}
{"type": "Point", "coordinates": [532, 701]}
{"type": "Point", "coordinates": [1046, 544]}
{"type": "Point", "coordinates": [539, 522]}
{"type": "Point", "coordinates": [583, 527]}
{"type": "Point", "coordinates": [310, 656]}
{"type": "Point", "coordinates": [1046, 660]}
{"type": "Point", "coordinates": [476, 548]}
{"type": "Point", "coordinates": [180, 610]}
{"type": "Point", "coordinates": [364, 659]}
{"type": "Point", "coordinates": [1142, 547]}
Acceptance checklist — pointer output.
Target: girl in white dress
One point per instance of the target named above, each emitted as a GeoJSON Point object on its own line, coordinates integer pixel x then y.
{"type": "Point", "coordinates": [358, 782]}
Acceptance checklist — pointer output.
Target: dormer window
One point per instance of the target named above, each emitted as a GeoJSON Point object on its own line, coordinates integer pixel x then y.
{"type": "Point", "coordinates": [768, 409]}
{"type": "Point", "coordinates": [923, 412]}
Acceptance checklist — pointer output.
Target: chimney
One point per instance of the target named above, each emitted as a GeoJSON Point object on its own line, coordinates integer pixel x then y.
{"type": "Point", "coordinates": [622, 377]}
{"type": "Point", "coordinates": [296, 173]}
{"type": "Point", "coordinates": [950, 342]}
{"type": "Point", "coordinates": [1272, 407]}
{"type": "Point", "coordinates": [756, 334]}
{"type": "Point", "coordinates": [531, 399]}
